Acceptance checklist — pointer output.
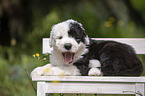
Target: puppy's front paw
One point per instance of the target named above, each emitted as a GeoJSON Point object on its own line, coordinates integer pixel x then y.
{"type": "Point", "coordinates": [44, 70]}
{"type": "Point", "coordinates": [94, 72]}
{"type": "Point", "coordinates": [55, 71]}
{"type": "Point", "coordinates": [47, 70]}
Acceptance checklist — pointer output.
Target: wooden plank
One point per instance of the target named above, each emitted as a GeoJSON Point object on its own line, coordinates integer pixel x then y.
{"type": "Point", "coordinates": [46, 48]}
{"type": "Point", "coordinates": [99, 88]}
{"type": "Point", "coordinates": [41, 87]}
{"type": "Point", "coordinates": [140, 88]}
{"type": "Point", "coordinates": [90, 79]}
{"type": "Point", "coordinates": [137, 43]}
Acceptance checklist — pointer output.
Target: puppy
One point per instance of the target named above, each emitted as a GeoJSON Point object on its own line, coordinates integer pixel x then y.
{"type": "Point", "coordinates": [74, 53]}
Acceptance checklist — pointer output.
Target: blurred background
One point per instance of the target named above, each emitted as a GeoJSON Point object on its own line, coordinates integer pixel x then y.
{"type": "Point", "coordinates": [23, 24]}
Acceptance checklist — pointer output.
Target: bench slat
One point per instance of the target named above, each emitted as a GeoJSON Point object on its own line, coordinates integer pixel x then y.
{"type": "Point", "coordinates": [89, 85]}
{"type": "Point", "coordinates": [99, 88]}
{"type": "Point", "coordinates": [140, 79]}
{"type": "Point", "coordinates": [137, 43]}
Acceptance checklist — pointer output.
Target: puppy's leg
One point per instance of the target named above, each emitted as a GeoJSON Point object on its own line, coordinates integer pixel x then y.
{"type": "Point", "coordinates": [47, 70]}
{"type": "Point", "coordinates": [95, 68]}
{"type": "Point", "coordinates": [55, 71]}
{"type": "Point", "coordinates": [39, 71]}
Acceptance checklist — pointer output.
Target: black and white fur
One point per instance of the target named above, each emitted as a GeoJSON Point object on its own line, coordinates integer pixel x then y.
{"type": "Point", "coordinates": [74, 53]}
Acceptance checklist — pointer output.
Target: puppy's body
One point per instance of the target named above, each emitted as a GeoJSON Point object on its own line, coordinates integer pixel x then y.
{"type": "Point", "coordinates": [75, 54]}
{"type": "Point", "coordinates": [115, 58]}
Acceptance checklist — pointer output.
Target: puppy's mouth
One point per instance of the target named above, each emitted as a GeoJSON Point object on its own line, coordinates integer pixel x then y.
{"type": "Point", "coordinates": [68, 57]}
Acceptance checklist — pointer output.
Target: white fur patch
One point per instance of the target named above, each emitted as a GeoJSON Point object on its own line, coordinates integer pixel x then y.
{"type": "Point", "coordinates": [87, 40]}
{"type": "Point", "coordinates": [94, 72]}
{"type": "Point", "coordinates": [94, 63]}
{"type": "Point", "coordinates": [58, 30]}
{"type": "Point", "coordinates": [60, 44]}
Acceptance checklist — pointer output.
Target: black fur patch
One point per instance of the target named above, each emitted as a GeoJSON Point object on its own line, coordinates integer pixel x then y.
{"type": "Point", "coordinates": [77, 32]}
{"type": "Point", "coordinates": [116, 59]}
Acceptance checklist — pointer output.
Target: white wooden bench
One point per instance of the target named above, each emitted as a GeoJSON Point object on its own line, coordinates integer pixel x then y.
{"type": "Point", "coordinates": [93, 84]}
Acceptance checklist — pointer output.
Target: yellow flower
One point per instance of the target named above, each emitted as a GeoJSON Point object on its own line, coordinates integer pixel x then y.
{"type": "Point", "coordinates": [120, 22]}
{"type": "Point", "coordinates": [47, 70]}
{"type": "Point", "coordinates": [108, 24]}
{"type": "Point", "coordinates": [37, 54]}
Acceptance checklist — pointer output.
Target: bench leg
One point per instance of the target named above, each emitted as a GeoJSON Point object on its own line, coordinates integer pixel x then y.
{"type": "Point", "coordinates": [41, 89]}
{"type": "Point", "coordinates": [140, 89]}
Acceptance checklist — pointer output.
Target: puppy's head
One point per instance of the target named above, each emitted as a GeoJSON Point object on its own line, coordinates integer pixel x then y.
{"type": "Point", "coordinates": [70, 39]}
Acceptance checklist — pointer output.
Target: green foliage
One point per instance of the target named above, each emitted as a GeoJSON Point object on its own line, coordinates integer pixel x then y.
{"type": "Point", "coordinates": [139, 5]}
{"type": "Point", "coordinates": [41, 30]}
{"type": "Point", "coordinates": [13, 80]}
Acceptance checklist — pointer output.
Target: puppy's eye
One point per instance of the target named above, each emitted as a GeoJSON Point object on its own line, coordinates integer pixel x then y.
{"type": "Point", "coordinates": [60, 37]}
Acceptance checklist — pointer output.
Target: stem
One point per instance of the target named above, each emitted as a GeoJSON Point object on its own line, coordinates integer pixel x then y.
{"type": "Point", "coordinates": [30, 80]}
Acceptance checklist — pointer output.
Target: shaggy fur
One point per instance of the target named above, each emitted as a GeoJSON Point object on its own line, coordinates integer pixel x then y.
{"type": "Point", "coordinates": [76, 54]}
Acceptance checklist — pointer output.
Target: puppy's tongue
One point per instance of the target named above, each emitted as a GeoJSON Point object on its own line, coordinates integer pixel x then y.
{"type": "Point", "coordinates": [68, 57]}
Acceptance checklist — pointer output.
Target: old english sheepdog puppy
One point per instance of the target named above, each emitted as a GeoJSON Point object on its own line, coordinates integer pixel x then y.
{"type": "Point", "coordinates": [74, 53]}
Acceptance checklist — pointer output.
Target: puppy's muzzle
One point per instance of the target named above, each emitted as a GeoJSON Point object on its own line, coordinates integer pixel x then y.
{"type": "Point", "coordinates": [68, 46]}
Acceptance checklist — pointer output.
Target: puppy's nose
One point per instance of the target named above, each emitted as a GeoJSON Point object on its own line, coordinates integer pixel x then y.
{"type": "Point", "coordinates": [68, 46]}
